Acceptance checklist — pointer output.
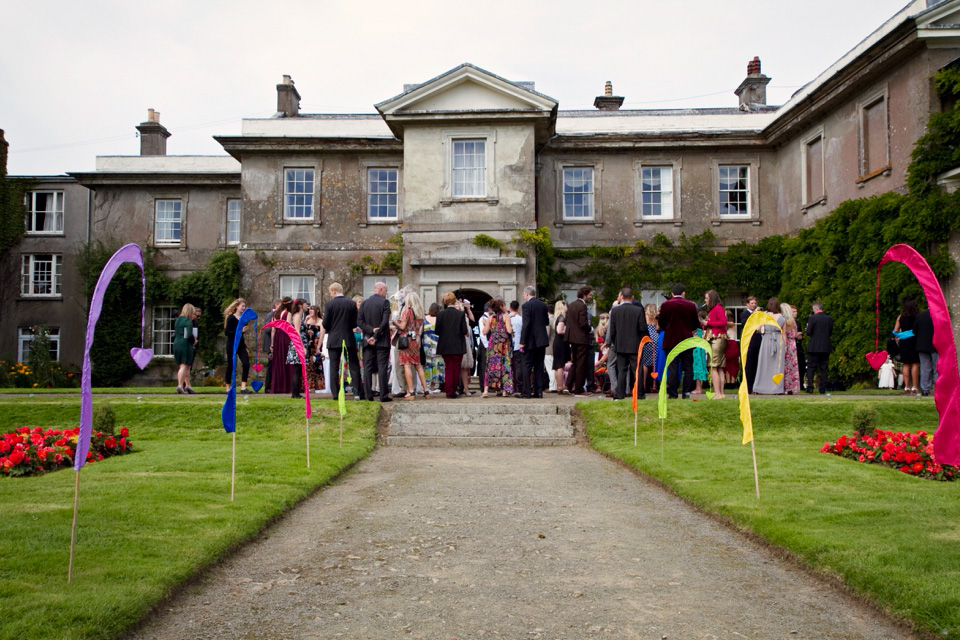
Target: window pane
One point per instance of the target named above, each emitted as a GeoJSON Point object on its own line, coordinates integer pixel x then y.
{"type": "Point", "coordinates": [469, 168]}
{"type": "Point", "coordinates": [814, 153]}
{"type": "Point", "coordinates": [233, 221]}
{"type": "Point", "coordinates": [875, 137]}
{"type": "Point", "coordinates": [164, 319]}
{"type": "Point", "coordinates": [734, 196]}
{"type": "Point", "coordinates": [578, 193]}
{"type": "Point", "coordinates": [298, 193]}
{"type": "Point", "coordinates": [297, 287]}
{"type": "Point", "coordinates": [382, 193]}
{"type": "Point", "coordinates": [168, 221]}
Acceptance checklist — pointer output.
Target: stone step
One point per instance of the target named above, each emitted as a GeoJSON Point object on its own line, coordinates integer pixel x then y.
{"type": "Point", "coordinates": [475, 441]}
{"type": "Point", "coordinates": [480, 424]}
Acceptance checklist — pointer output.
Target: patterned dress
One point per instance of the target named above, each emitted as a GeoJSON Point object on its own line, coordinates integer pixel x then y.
{"type": "Point", "coordinates": [791, 367]}
{"type": "Point", "coordinates": [414, 327]}
{"type": "Point", "coordinates": [315, 368]}
{"type": "Point", "coordinates": [700, 371]}
{"type": "Point", "coordinates": [650, 349]}
{"type": "Point", "coordinates": [434, 369]}
{"type": "Point", "coordinates": [498, 374]}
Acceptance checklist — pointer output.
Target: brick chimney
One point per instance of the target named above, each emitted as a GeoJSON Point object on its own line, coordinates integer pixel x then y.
{"type": "Point", "coordinates": [753, 90]}
{"type": "Point", "coordinates": [288, 98]}
{"type": "Point", "coordinates": [153, 135]}
{"type": "Point", "coordinates": [608, 101]}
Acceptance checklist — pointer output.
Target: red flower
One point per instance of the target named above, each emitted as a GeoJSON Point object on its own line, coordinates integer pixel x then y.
{"type": "Point", "coordinates": [124, 433]}
{"type": "Point", "coordinates": [16, 457]}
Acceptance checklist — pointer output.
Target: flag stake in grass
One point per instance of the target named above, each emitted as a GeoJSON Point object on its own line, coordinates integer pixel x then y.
{"type": "Point", "coordinates": [636, 382]}
{"type": "Point", "coordinates": [308, 440]}
{"type": "Point", "coordinates": [73, 530]}
{"type": "Point", "coordinates": [754, 322]}
{"type": "Point", "coordinates": [233, 466]}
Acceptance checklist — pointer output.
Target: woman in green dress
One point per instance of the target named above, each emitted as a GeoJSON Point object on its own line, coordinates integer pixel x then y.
{"type": "Point", "coordinates": [183, 347]}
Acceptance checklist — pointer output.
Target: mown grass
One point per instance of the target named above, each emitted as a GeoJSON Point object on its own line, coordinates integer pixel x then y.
{"type": "Point", "coordinates": [150, 520]}
{"type": "Point", "coordinates": [891, 537]}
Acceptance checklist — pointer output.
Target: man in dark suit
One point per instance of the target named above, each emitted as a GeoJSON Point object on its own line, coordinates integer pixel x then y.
{"type": "Point", "coordinates": [628, 325]}
{"type": "Point", "coordinates": [580, 336]}
{"type": "Point", "coordinates": [339, 319]}
{"type": "Point", "coordinates": [451, 328]}
{"type": "Point", "coordinates": [533, 342]}
{"type": "Point", "coordinates": [374, 321]}
{"type": "Point", "coordinates": [678, 318]}
{"type": "Point", "coordinates": [819, 328]}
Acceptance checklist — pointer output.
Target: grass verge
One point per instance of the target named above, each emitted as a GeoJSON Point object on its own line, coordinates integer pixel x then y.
{"type": "Point", "coordinates": [893, 538]}
{"type": "Point", "coordinates": [150, 520]}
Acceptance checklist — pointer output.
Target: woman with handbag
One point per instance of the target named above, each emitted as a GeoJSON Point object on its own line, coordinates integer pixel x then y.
{"type": "Point", "coordinates": [499, 332]}
{"type": "Point", "coordinates": [410, 325]}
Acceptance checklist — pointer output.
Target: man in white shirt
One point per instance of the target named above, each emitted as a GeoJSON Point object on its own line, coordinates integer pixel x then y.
{"type": "Point", "coordinates": [516, 320]}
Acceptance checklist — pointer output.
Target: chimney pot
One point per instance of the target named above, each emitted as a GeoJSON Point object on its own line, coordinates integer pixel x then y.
{"type": "Point", "coordinates": [288, 98]}
{"type": "Point", "coordinates": [153, 116]}
{"type": "Point", "coordinates": [608, 89]}
{"type": "Point", "coordinates": [753, 90]}
{"type": "Point", "coordinates": [608, 101]}
{"type": "Point", "coordinates": [753, 67]}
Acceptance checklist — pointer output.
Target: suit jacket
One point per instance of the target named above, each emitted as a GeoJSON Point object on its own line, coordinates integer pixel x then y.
{"type": "Point", "coordinates": [742, 320]}
{"type": "Point", "coordinates": [678, 319]}
{"type": "Point", "coordinates": [578, 324]}
{"type": "Point", "coordinates": [533, 331]}
{"type": "Point", "coordinates": [375, 314]}
{"type": "Point", "coordinates": [339, 319]}
{"type": "Point", "coordinates": [628, 325]}
{"type": "Point", "coordinates": [923, 329]}
{"type": "Point", "coordinates": [451, 328]}
{"type": "Point", "coordinates": [819, 328]}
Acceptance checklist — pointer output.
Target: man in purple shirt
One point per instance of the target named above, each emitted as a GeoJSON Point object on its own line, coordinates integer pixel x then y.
{"type": "Point", "coordinates": [678, 318]}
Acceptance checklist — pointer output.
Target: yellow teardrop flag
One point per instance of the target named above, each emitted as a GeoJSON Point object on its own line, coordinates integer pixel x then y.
{"type": "Point", "coordinates": [777, 379]}
{"type": "Point", "coordinates": [756, 319]}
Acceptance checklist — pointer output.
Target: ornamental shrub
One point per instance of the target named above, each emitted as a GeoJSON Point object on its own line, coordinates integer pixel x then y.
{"type": "Point", "coordinates": [104, 418]}
{"type": "Point", "coordinates": [864, 419]}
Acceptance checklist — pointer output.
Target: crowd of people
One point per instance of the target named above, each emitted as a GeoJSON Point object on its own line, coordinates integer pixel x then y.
{"type": "Point", "coordinates": [393, 347]}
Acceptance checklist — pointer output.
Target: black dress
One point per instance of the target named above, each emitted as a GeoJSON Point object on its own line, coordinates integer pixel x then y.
{"type": "Point", "coordinates": [561, 350]}
{"type": "Point", "coordinates": [908, 346]}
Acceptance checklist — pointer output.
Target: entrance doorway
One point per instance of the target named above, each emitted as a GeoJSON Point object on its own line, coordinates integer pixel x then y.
{"type": "Point", "coordinates": [476, 297]}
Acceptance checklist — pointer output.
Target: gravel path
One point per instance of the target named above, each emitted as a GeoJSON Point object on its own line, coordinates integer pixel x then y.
{"type": "Point", "coordinates": [505, 543]}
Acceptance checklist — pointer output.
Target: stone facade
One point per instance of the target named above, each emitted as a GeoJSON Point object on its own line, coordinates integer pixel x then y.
{"type": "Point", "coordinates": [322, 198]}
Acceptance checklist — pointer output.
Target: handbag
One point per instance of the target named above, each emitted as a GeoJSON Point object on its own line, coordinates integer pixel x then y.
{"type": "Point", "coordinates": [403, 342]}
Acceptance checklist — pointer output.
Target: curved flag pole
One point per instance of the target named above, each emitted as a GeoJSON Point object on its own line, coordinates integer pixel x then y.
{"type": "Point", "coordinates": [754, 322]}
{"type": "Point", "coordinates": [127, 253]}
{"type": "Point", "coordinates": [297, 342]}
{"type": "Point", "coordinates": [228, 415]}
{"type": "Point", "coordinates": [946, 441]}
{"type": "Point", "coordinates": [689, 343]}
{"type": "Point", "coordinates": [636, 381]}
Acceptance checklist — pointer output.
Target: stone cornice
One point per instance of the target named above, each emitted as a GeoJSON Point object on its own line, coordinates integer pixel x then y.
{"type": "Point", "coordinates": [236, 146]}
{"type": "Point", "coordinates": [96, 179]}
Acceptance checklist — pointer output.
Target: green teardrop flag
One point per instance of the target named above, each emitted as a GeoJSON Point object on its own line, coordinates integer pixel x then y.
{"type": "Point", "coordinates": [689, 343]}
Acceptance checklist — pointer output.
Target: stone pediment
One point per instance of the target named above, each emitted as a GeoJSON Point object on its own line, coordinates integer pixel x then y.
{"type": "Point", "coordinates": [939, 25]}
{"type": "Point", "coordinates": [467, 88]}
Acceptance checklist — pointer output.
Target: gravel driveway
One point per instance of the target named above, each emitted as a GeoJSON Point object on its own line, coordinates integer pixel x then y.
{"type": "Point", "coordinates": [505, 543]}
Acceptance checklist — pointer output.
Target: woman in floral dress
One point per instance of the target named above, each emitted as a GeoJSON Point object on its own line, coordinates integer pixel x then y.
{"type": "Point", "coordinates": [410, 324]}
{"type": "Point", "coordinates": [434, 368]}
{"type": "Point", "coordinates": [791, 366]}
{"type": "Point", "coordinates": [500, 332]}
{"type": "Point", "coordinates": [313, 326]}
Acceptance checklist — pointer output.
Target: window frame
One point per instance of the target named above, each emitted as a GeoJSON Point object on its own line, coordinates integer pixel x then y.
{"type": "Point", "coordinates": [312, 297]}
{"type": "Point", "coordinates": [24, 338]}
{"type": "Point", "coordinates": [808, 199]}
{"type": "Point", "coordinates": [449, 139]}
{"type": "Point", "coordinates": [862, 108]}
{"type": "Point", "coordinates": [314, 195]}
{"type": "Point", "coordinates": [366, 166]}
{"type": "Point", "coordinates": [158, 350]}
{"type": "Point", "coordinates": [752, 214]}
{"type": "Point", "coordinates": [673, 216]}
{"type": "Point", "coordinates": [28, 274]}
{"type": "Point", "coordinates": [157, 241]}
{"type": "Point", "coordinates": [392, 281]}
{"type": "Point", "coordinates": [29, 201]}
{"type": "Point", "coordinates": [239, 211]}
{"type": "Point", "coordinates": [594, 164]}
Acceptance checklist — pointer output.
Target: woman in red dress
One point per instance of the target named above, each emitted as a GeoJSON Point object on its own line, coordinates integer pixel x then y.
{"type": "Point", "coordinates": [410, 324]}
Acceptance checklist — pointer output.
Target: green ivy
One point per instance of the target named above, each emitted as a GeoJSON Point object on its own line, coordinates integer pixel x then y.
{"type": "Point", "coordinates": [483, 240]}
{"type": "Point", "coordinates": [939, 149]}
{"type": "Point", "coordinates": [12, 211]}
{"type": "Point", "coordinates": [549, 276]}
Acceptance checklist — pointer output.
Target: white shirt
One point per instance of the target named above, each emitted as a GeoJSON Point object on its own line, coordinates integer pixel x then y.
{"type": "Point", "coordinates": [484, 338]}
{"type": "Point", "coordinates": [517, 323]}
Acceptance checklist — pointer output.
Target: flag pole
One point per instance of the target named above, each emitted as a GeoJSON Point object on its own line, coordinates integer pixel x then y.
{"type": "Point", "coordinates": [233, 466]}
{"type": "Point", "coordinates": [756, 474]}
{"type": "Point", "coordinates": [635, 428]}
{"type": "Point", "coordinates": [661, 439]}
{"type": "Point", "coordinates": [308, 443]}
{"type": "Point", "coordinates": [341, 431]}
{"type": "Point", "coordinates": [73, 533]}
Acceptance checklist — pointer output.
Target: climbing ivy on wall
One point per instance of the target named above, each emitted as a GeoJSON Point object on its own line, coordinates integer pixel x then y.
{"type": "Point", "coordinates": [211, 289]}
{"type": "Point", "coordinates": [12, 211]}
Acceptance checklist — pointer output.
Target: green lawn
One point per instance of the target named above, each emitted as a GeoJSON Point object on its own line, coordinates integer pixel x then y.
{"type": "Point", "coordinates": [892, 537]}
{"type": "Point", "coordinates": [150, 520]}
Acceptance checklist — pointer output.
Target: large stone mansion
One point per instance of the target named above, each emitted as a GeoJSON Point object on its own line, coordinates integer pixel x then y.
{"type": "Point", "coordinates": [308, 199]}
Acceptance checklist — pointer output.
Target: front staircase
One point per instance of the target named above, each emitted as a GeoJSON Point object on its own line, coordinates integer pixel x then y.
{"type": "Point", "coordinates": [487, 423]}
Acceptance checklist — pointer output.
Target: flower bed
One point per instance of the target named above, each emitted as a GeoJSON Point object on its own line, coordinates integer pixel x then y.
{"type": "Point", "coordinates": [32, 451]}
{"type": "Point", "coordinates": [911, 453]}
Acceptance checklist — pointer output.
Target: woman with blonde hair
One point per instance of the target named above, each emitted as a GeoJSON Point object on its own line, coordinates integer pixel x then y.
{"type": "Point", "coordinates": [183, 347]}
{"type": "Point", "coordinates": [561, 352]}
{"type": "Point", "coordinates": [231, 320]}
{"type": "Point", "coordinates": [648, 357]}
{"type": "Point", "coordinates": [410, 325]}
{"type": "Point", "coordinates": [791, 364]}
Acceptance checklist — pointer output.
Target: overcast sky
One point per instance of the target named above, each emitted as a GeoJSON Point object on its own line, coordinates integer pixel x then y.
{"type": "Point", "coordinates": [77, 77]}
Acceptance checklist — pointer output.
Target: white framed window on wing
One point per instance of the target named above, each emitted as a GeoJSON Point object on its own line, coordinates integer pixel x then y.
{"type": "Point", "coordinates": [392, 282]}
{"type": "Point", "coordinates": [164, 319]}
{"type": "Point", "coordinates": [656, 192]}
{"type": "Point", "coordinates": [44, 212]}
{"type": "Point", "coordinates": [169, 222]}
{"type": "Point", "coordinates": [469, 177]}
{"type": "Point", "coordinates": [298, 186]}
{"type": "Point", "coordinates": [734, 193]}
{"type": "Point", "coordinates": [41, 274]}
{"type": "Point", "coordinates": [382, 194]}
{"type": "Point", "coordinates": [578, 193]}
{"type": "Point", "coordinates": [25, 338]}
{"type": "Point", "coordinates": [233, 221]}
{"type": "Point", "coordinates": [298, 287]}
